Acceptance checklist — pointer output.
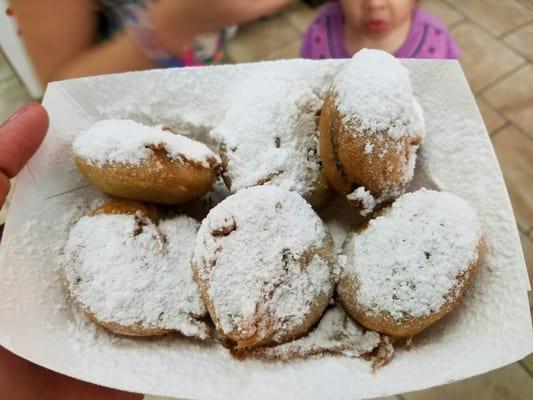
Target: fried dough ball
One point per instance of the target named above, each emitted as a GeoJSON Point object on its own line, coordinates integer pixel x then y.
{"type": "Point", "coordinates": [410, 265]}
{"type": "Point", "coordinates": [129, 270]}
{"type": "Point", "coordinates": [127, 159]}
{"type": "Point", "coordinates": [265, 265]}
{"type": "Point", "coordinates": [370, 129]}
{"type": "Point", "coordinates": [269, 136]}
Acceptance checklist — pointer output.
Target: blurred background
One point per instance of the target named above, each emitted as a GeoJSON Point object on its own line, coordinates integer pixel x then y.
{"type": "Point", "coordinates": [496, 41]}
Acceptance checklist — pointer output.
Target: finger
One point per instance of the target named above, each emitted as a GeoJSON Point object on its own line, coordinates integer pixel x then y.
{"type": "Point", "coordinates": [20, 136]}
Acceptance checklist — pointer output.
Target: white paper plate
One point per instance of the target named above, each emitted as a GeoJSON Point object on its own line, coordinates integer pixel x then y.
{"type": "Point", "coordinates": [492, 327]}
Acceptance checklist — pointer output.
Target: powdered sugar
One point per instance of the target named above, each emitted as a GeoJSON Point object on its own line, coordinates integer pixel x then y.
{"type": "Point", "coordinates": [411, 162]}
{"type": "Point", "coordinates": [457, 157]}
{"type": "Point", "coordinates": [132, 272]}
{"type": "Point", "coordinates": [368, 148]}
{"type": "Point", "coordinates": [336, 333]}
{"type": "Point", "coordinates": [374, 92]}
{"type": "Point", "coordinates": [406, 262]}
{"type": "Point", "coordinates": [363, 199]}
{"type": "Point", "coordinates": [126, 141]}
{"type": "Point", "coordinates": [254, 256]}
{"type": "Point", "coordinates": [270, 133]}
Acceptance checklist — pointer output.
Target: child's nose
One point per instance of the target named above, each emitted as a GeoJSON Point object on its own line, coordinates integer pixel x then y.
{"type": "Point", "coordinates": [373, 5]}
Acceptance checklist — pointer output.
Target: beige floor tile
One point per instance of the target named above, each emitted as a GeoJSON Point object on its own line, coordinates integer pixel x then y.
{"type": "Point", "coordinates": [12, 97]}
{"type": "Point", "coordinates": [300, 16]}
{"type": "Point", "coordinates": [483, 58]}
{"type": "Point", "coordinates": [513, 96]}
{"type": "Point", "coordinates": [255, 41]}
{"type": "Point", "coordinates": [492, 119]}
{"type": "Point", "coordinates": [515, 154]}
{"type": "Point", "coordinates": [527, 248]}
{"type": "Point", "coordinates": [292, 50]}
{"type": "Point", "coordinates": [527, 3]}
{"type": "Point", "coordinates": [522, 41]}
{"type": "Point", "coordinates": [496, 16]}
{"type": "Point", "coordinates": [443, 11]}
{"type": "Point", "coordinates": [509, 383]}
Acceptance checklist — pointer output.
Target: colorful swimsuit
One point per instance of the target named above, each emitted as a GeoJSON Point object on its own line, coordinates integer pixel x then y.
{"type": "Point", "coordinates": [116, 15]}
{"type": "Point", "coordinates": [428, 37]}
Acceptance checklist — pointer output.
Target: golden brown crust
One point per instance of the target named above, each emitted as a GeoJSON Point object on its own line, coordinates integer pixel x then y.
{"type": "Point", "coordinates": [323, 193]}
{"type": "Point", "coordinates": [158, 179]}
{"type": "Point", "coordinates": [128, 207]}
{"type": "Point", "coordinates": [133, 330]}
{"type": "Point", "coordinates": [410, 326]}
{"type": "Point", "coordinates": [224, 165]}
{"type": "Point", "coordinates": [347, 165]}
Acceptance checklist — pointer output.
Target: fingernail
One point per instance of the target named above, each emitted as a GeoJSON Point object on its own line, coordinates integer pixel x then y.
{"type": "Point", "coordinates": [20, 112]}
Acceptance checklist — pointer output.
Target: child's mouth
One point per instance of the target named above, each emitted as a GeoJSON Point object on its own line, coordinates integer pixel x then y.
{"type": "Point", "coordinates": [376, 25]}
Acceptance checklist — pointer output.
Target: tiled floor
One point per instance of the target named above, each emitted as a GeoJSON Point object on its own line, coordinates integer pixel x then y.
{"type": "Point", "coordinates": [496, 38]}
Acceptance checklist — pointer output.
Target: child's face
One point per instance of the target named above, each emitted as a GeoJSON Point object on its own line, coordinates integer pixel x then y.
{"type": "Point", "coordinates": [377, 16]}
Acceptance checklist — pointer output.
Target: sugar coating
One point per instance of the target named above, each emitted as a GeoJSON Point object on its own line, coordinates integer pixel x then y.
{"type": "Point", "coordinates": [336, 333]}
{"type": "Point", "coordinates": [411, 162]}
{"type": "Point", "coordinates": [131, 271]}
{"type": "Point", "coordinates": [364, 199]}
{"type": "Point", "coordinates": [128, 142]}
{"type": "Point", "coordinates": [373, 91]}
{"type": "Point", "coordinates": [270, 134]}
{"type": "Point", "coordinates": [407, 261]}
{"type": "Point", "coordinates": [252, 254]}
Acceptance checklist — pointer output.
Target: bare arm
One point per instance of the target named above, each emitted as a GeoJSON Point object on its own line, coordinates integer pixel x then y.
{"type": "Point", "coordinates": [60, 38]}
{"type": "Point", "coordinates": [60, 34]}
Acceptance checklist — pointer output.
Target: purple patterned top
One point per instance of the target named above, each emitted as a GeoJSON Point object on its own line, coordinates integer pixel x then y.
{"type": "Point", "coordinates": [428, 37]}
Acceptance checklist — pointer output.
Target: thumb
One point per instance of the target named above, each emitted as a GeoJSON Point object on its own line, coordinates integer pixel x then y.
{"type": "Point", "coordinates": [20, 136]}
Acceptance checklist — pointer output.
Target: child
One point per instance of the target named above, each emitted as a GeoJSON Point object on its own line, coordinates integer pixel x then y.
{"type": "Point", "coordinates": [397, 26]}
